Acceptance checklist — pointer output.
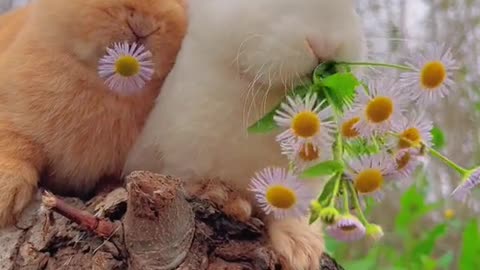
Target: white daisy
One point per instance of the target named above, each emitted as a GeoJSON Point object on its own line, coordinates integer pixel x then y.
{"type": "Point", "coordinates": [347, 229]}
{"type": "Point", "coordinates": [431, 78]}
{"type": "Point", "coordinates": [281, 193]}
{"type": "Point", "coordinates": [306, 122]}
{"type": "Point", "coordinates": [413, 132]}
{"type": "Point", "coordinates": [379, 109]}
{"type": "Point", "coordinates": [126, 68]}
{"type": "Point", "coordinates": [406, 162]}
{"type": "Point", "coordinates": [305, 155]}
{"type": "Point", "coordinates": [369, 173]}
{"type": "Point", "coordinates": [468, 184]}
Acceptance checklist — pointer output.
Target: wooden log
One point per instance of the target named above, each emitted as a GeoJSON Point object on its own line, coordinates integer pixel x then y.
{"type": "Point", "coordinates": [150, 224]}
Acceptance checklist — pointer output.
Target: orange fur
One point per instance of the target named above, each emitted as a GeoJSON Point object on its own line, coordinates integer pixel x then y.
{"type": "Point", "coordinates": [58, 121]}
{"type": "Point", "coordinates": [10, 25]}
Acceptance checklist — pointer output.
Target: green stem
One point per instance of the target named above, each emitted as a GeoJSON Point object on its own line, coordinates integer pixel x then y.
{"type": "Point", "coordinates": [291, 166]}
{"type": "Point", "coordinates": [338, 151]}
{"type": "Point", "coordinates": [447, 161]}
{"type": "Point", "coordinates": [371, 64]}
{"type": "Point", "coordinates": [336, 188]}
{"type": "Point", "coordinates": [356, 202]}
{"type": "Point", "coordinates": [345, 197]}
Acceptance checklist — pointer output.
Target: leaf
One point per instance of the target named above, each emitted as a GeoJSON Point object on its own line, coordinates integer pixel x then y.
{"type": "Point", "coordinates": [360, 147]}
{"type": "Point", "coordinates": [426, 245]}
{"type": "Point", "coordinates": [469, 258]}
{"type": "Point", "coordinates": [267, 123]}
{"type": "Point", "coordinates": [446, 260]}
{"type": "Point", "coordinates": [428, 263]}
{"type": "Point", "coordinates": [332, 246]}
{"type": "Point", "coordinates": [412, 203]}
{"type": "Point", "coordinates": [438, 139]}
{"type": "Point", "coordinates": [327, 192]}
{"type": "Point", "coordinates": [324, 70]}
{"type": "Point", "coordinates": [368, 262]}
{"type": "Point", "coordinates": [313, 217]}
{"type": "Point", "coordinates": [325, 168]}
{"type": "Point", "coordinates": [341, 89]}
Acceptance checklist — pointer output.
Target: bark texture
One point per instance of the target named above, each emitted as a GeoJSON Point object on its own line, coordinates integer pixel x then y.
{"type": "Point", "coordinates": [150, 224]}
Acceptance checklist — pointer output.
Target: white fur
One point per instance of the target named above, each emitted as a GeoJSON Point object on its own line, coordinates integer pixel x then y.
{"type": "Point", "coordinates": [199, 122]}
{"type": "Point", "coordinates": [237, 60]}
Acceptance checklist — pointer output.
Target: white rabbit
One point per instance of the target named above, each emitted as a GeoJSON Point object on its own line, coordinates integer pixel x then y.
{"type": "Point", "coordinates": [237, 60]}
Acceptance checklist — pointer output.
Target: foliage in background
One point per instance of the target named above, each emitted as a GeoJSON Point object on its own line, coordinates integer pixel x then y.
{"type": "Point", "coordinates": [416, 241]}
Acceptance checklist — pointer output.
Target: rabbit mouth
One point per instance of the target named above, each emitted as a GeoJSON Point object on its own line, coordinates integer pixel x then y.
{"type": "Point", "coordinates": [141, 38]}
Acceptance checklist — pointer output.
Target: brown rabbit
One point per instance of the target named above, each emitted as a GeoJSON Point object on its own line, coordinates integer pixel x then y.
{"type": "Point", "coordinates": [10, 25]}
{"type": "Point", "coordinates": [59, 124]}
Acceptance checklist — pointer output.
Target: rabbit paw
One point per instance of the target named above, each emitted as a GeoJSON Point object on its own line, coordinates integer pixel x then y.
{"type": "Point", "coordinates": [231, 203]}
{"type": "Point", "coordinates": [298, 245]}
{"type": "Point", "coordinates": [15, 195]}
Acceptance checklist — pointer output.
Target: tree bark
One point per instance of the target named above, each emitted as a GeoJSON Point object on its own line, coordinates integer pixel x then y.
{"type": "Point", "coordinates": [150, 224]}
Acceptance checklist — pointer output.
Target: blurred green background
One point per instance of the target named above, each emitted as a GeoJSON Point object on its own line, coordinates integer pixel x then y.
{"type": "Point", "coordinates": [418, 235]}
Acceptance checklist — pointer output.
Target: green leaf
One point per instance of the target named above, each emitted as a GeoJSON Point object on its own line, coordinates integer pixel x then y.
{"type": "Point", "coordinates": [327, 192]}
{"type": "Point", "coordinates": [362, 147]}
{"type": "Point", "coordinates": [438, 139]}
{"type": "Point", "coordinates": [341, 89]}
{"type": "Point", "coordinates": [446, 260]}
{"type": "Point", "coordinates": [324, 70]}
{"type": "Point", "coordinates": [412, 203]}
{"type": "Point", "coordinates": [428, 263]}
{"type": "Point", "coordinates": [368, 262]}
{"type": "Point", "coordinates": [266, 124]}
{"type": "Point", "coordinates": [333, 246]}
{"type": "Point", "coordinates": [469, 258]}
{"type": "Point", "coordinates": [426, 245]}
{"type": "Point", "coordinates": [313, 217]}
{"type": "Point", "coordinates": [325, 168]}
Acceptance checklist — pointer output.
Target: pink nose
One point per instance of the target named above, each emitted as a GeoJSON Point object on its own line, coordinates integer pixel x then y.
{"type": "Point", "coordinates": [321, 49]}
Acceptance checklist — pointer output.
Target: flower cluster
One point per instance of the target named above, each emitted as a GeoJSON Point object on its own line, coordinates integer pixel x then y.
{"type": "Point", "coordinates": [363, 139]}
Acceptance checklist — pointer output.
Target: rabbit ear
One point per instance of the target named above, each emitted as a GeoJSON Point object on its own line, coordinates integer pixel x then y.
{"type": "Point", "coordinates": [183, 3]}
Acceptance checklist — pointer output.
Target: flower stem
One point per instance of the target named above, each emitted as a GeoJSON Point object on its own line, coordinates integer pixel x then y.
{"type": "Point", "coordinates": [447, 161]}
{"type": "Point", "coordinates": [356, 202]}
{"type": "Point", "coordinates": [336, 189]}
{"type": "Point", "coordinates": [345, 197]}
{"type": "Point", "coordinates": [338, 151]}
{"type": "Point", "coordinates": [372, 64]}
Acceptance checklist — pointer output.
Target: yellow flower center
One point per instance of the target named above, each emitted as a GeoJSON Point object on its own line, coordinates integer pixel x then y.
{"type": "Point", "coordinates": [379, 109]}
{"type": "Point", "coordinates": [449, 214]}
{"type": "Point", "coordinates": [368, 181]}
{"type": "Point", "coordinates": [309, 152]}
{"type": "Point", "coordinates": [410, 137]}
{"type": "Point", "coordinates": [433, 74]}
{"type": "Point", "coordinates": [306, 124]}
{"type": "Point", "coordinates": [347, 128]}
{"type": "Point", "coordinates": [127, 66]}
{"type": "Point", "coordinates": [403, 161]}
{"type": "Point", "coordinates": [281, 197]}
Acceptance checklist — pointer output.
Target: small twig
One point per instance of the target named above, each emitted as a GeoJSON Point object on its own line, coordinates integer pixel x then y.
{"type": "Point", "coordinates": [99, 226]}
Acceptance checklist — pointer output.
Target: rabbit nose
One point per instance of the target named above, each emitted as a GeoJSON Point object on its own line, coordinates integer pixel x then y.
{"type": "Point", "coordinates": [321, 49]}
{"type": "Point", "coordinates": [140, 26]}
